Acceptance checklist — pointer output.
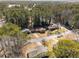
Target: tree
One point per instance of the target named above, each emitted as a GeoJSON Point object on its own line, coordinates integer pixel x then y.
{"type": "Point", "coordinates": [49, 45]}
{"type": "Point", "coordinates": [18, 16]}
{"type": "Point", "coordinates": [67, 49]}
{"type": "Point", "coordinates": [75, 21]}
{"type": "Point", "coordinates": [9, 29]}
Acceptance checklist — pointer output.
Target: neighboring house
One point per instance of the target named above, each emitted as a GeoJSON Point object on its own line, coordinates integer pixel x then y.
{"type": "Point", "coordinates": [13, 5]}
{"type": "Point", "coordinates": [33, 49]}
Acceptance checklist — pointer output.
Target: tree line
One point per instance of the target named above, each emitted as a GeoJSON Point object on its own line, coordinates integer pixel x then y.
{"type": "Point", "coordinates": [41, 15]}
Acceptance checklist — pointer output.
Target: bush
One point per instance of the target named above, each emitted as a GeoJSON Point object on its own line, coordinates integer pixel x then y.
{"type": "Point", "coordinates": [57, 31]}
{"type": "Point", "coordinates": [67, 49]}
{"type": "Point", "coordinates": [9, 29]}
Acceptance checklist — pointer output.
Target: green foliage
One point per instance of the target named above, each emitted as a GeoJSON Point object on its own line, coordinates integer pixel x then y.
{"type": "Point", "coordinates": [67, 49]}
{"type": "Point", "coordinates": [60, 12]}
{"type": "Point", "coordinates": [17, 16]}
{"type": "Point", "coordinates": [57, 31]}
{"type": "Point", "coordinates": [9, 29]}
{"type": "Point", "coordinates": [13, 30]}
{"type": "Point", "coordinates": [41, 55]}
{"type": "Point", "coordinates": [50, 52]}
{"type": "Point", "coordinates": [75, 21]}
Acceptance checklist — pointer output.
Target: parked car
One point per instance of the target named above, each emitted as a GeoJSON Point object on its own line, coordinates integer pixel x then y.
{"type": "Point", "coordinates": [26, 30]}
{"type": "Point", "coordinates": [52, 27]}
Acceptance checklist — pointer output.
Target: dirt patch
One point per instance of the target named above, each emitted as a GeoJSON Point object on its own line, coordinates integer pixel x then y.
{"type": "Point", "coordinates": [38, 35]}
{"type": "Point", "coordinates": [71, 36]}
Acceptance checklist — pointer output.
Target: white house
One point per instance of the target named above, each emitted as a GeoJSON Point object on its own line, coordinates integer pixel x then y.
{"type": "Point", "coordinates": [13, 5]}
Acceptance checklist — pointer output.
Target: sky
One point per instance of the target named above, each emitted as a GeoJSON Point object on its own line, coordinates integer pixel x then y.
{"type": "Point", "coordinates": [43, 0]}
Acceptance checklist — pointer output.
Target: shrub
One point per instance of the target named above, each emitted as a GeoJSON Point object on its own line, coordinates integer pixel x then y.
{"type": "Point", "coordinates": [67, 49]}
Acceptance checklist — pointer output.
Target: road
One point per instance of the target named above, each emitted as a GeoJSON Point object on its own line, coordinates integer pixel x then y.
{"type": "Point", "coordinates": [53, 37]}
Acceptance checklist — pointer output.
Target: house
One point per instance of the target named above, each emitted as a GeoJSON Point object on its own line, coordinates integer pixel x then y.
{"type": "Point", "coordinates": [33, 49]}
